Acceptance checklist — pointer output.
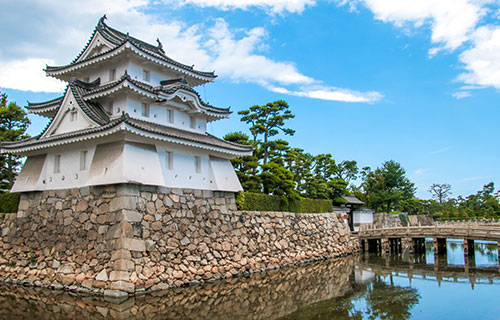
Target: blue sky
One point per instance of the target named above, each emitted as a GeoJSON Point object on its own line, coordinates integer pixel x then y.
{"type": "Point", "coordinates": [368, 80]}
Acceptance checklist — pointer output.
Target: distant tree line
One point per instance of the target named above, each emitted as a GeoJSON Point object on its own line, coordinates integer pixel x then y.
{"type": "Point", "coordinates": [276, 168]}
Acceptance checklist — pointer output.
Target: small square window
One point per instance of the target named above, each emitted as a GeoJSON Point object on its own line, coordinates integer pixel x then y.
{"type": "Point", "coordinates": [83, 160]}
{"type": "Point", "coordinates": [73, 116]}
{"type": "Point", "coordinates": [57, 163]}
{"type": "Point", "coordinates": [145, 110]}
{"type": "Point", "coordinates": [170, 116]}
{"type": "Point", "coordinates": [146, 75]}
{"type": "Point", "coordinates": [169, 160]}
{"type": "Point", "coordinates": [112, 74]}
{"type": "Point", "coordinates": [197, 164]}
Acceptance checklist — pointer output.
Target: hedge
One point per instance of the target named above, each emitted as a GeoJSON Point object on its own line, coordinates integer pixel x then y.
{"type": "Point", "coordinates": [262, 202]}
{"type": "Point", "coordinates": [9, 202]}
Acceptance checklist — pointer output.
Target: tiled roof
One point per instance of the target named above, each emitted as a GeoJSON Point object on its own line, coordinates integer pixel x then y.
{"type": "Point", "coordinates": [171, 86]}
{"type": "Point", "coordinates": [192, 136]}
{"type": "Point", "coordinates": [92, 109]}
{"type": "Point", "coordinates": [352, 200]}
{"type": "Point", "coordinates": [118, 38]}
{"type": "Point", "coordinates": [44, 105]}
{"type": "Point", "coordinates": [145, 126]}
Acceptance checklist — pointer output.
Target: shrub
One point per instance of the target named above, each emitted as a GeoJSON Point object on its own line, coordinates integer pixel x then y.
{"type": "Point", "coordinates": [9, 202]}
{"type": "Point", "coordinates": [262, 202]}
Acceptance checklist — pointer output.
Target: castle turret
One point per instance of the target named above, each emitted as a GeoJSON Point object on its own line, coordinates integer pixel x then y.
{"type": "Point", "coordinates": [129, 114]}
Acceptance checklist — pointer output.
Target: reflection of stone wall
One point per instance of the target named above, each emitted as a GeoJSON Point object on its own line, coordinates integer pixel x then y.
{"type": "Point", "coordinates": [268, 295]}
{"type": "Point", "coordinates": [126, 238]}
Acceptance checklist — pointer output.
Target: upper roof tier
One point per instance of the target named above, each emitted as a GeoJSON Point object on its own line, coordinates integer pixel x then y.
{"type": "Point", "coordinates": [107, 43]}
{"type": "Point", "coordinates": [88, 95]}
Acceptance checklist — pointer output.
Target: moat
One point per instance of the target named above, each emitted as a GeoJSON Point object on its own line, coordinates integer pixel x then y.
{"type": "Point", "coordinates": [365, 286]}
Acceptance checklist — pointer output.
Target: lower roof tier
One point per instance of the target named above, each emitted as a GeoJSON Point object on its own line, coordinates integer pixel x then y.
{"type": "Point", "coordinates": [134, 127]}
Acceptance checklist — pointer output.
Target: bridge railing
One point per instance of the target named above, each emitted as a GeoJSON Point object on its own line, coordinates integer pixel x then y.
{"type": "Point", "coordinates": [471, 231]}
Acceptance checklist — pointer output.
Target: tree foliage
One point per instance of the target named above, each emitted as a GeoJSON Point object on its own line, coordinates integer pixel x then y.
{"type": "Point", "coordinates": [13, 125]}
{"type": "Point", "coordinates": [387, 186]}
{"type": "Point", "coordinates": [275, 168]}
{"type": "Point", "coordinates": [440, 192]}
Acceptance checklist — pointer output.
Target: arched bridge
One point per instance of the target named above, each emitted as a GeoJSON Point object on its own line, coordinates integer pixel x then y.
{"type": "Point", "coordinates": [394, 240]}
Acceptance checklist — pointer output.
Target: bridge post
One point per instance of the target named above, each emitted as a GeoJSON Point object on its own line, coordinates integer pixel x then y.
{"type": "Point", "coordinates": [469, 262]}
{"type": "Point", "coordinates": [385, 246]}
{"type": "Point", "coordinates": [440, 245]}
{"type": "Point", "coordinates": [498, 249]}
{"type": "Point", "coordinates": [468, 247]}
{"type": "Point", "coordinates": [407, 244]}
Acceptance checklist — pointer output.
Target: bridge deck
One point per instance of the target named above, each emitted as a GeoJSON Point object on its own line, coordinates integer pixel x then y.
{"type": "Point", "coordinates": [491, 233]}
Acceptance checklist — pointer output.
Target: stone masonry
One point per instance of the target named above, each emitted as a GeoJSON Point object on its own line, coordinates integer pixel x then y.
{"type": "Point", "coordinates": [124, 239]}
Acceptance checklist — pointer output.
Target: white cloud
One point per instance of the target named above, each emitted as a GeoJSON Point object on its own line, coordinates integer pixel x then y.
{"type": "Point", "coordinates": [419, 172]}
{"type": "Point", "coordinates": [56, 37]}
{"type": "Point", "coordinates": [454, 24]}
{"type": "Point", "coordinates": [451, 21]}
{"type": "Point", "coordinates": [237, 60]}
{"type": "Point", "coordinates": [482, 60]}
{"type": "Point", "coordinates": [28, 75]}
{"type": "Point", "coordinates": [272, 6]}
{"type": "Point", "coordinates": [461, 95]}
{"type": "Point", "coordinates": [440, 150]}
{"type": "Point", "coordinates": [332, 94]}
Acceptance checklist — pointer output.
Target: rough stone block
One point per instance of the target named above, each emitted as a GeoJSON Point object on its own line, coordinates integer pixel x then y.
{"type": "Point", "coordinates": [127, 190]}
{"type": "Point", "coordinates": [21, 214]}
{"type": "Point", "coordinates": [102, 276]}
{"type": "Point", "coordinates": [119, 230]}
{"type": "Point", "coordinates": [119, 275]}
{"type": "Point", "coordinates": [132, 244]}
{"type": "Point", "coordinates": [123, 286]}
{"type": "Point", "coordinates": [115, 293]}
{"type": "Point", "coordinates": [121, 254]}
{"type": "Point", "coordinates": [123, 265]}
{"type": "Point", "coordinates": [123, 202]}
{"type": "Point", "coordinates": [128, 215]}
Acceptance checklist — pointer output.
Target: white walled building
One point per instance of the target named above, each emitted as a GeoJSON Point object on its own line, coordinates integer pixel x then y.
{"type": "Point", "coordinates": [129, 115]}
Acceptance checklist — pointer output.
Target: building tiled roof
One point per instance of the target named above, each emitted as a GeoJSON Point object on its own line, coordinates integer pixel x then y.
{"type": "Point", "coordinates": [92, 109]}
{"type": "Point", "coordinates": [192, 136]}
{"type": "Point", "coordinates": [50, 104]}
{"type": "Point", "coordinates": [139, 125]}
{"type": "Point", "coordinates": [171, 86]}
{"type": "Point", "coordinates": [118, 38]}
{"type": "Point", "coordinates": [352, 200]}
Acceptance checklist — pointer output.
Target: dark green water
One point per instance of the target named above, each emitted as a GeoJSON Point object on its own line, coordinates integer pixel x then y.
{"type": "Point", "coordinates": [358, 287]}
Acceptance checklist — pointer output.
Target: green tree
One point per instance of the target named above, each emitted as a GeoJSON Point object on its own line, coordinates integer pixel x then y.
{"type": "Point", "coordinates": [386, 186]}
{"type": "Point", "coordinates": [245, 166]}
{"type": "Point", "coordinates": [277, 180]}
{"type": "Point", "coordinates": [267, 120]}
{"type": "Point", "coordinates": [440, 192]}
{"type": "Point", "coordinates": [347, 170]}
{"type": "Point", "coordinates": [299, 164]}
{"type": "Point", "coordinates": [13, 125]}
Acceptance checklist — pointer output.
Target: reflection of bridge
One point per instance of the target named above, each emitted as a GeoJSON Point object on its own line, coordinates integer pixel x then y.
{"type": "Point", "coordinates": [395, 240]}
{"type": "Point", "coordinates": [440, 270]}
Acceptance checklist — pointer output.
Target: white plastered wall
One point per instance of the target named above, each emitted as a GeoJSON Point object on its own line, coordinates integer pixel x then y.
{"type": "Point", "coordinates": [127, 162]}
{"type": "Point", "coordinates": [64, 122]}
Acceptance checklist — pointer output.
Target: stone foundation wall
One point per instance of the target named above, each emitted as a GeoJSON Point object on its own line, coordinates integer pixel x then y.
{"type": "Point", "coordinates": [267, 295]}
{"type": "Point", "coordinates": [124, 239]}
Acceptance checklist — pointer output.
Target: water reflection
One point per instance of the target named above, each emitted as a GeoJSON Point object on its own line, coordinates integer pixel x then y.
{"type": "Point", "coordinates": [357, 287]}
{"type": "Point", "coordinates": [485, 253]}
